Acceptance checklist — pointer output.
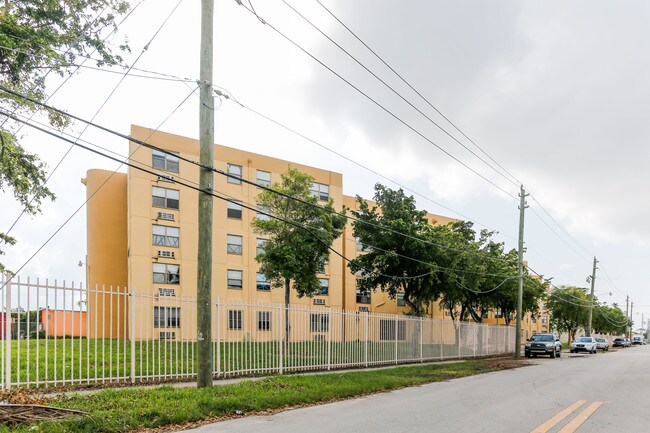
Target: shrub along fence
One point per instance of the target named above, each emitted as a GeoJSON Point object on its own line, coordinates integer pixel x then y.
{"type": "Point", "coordinates": [56, 334]}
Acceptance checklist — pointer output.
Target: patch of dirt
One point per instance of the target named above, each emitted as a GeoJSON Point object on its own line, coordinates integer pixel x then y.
{"type": "Point", "coordinates": [505, 363]}
{"type": "Point", "coordinates": [21, 396]}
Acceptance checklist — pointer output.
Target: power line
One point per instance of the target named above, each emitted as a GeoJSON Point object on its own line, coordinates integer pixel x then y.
{"type": "Point", "coordinates": [221, 172]}
{"type": "Point", "coordinates": [67, 51]}
{"type": "Point", "coordinates": [432, 106]}
{"type": "Point", "coordinates": [103, 104]}
{"type": "Point", "coordinates": [399, 95]}
{"type": "Point", "coordinates": [76, 143]}
{"type": "Point", "coordinates": [558, 236]}
{"type": "Point", "coordinates": [222, 197]}
{"type": "Point", "coordinates": [329, 149]}
{"type": "Point", "coordinates": [382, 107]}
{"type": "Point", "coordinates": [517, 182]}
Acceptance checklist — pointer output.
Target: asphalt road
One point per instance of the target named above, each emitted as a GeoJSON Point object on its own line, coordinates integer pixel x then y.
{"type": "Point", "coordinates": [606, 392]}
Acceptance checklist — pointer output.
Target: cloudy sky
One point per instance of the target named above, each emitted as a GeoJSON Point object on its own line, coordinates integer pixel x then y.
{"type": "Point", "coordinates": [555, 92]}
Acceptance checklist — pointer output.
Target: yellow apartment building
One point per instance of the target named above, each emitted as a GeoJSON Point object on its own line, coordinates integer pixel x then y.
{"type": "Point", "coordinates": [142, 240]}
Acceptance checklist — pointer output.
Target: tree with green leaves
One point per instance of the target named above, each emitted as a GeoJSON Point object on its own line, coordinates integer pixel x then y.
{"type": "Point", "coordinates": [39, 37]}
{"type": "Point", "coordinates": [399, 258]}
{"type": "Point", "coordinates": [300, 235]}
{"type": "Point", "coordinates": [609, 320]}
{"type": "Point", "coordinates": [569, 307]}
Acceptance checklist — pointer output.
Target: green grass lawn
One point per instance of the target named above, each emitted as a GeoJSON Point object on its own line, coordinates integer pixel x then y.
{"type": "Point", "coordinates": [81, 361]}
{"type": "Point", "coordinates": [125, 410]}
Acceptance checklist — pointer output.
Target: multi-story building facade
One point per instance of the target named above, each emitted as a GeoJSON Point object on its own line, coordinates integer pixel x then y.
{"type": "Point", "coordinates": [143, 237]}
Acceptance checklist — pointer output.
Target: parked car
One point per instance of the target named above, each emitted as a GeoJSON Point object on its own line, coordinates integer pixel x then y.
{"type": "Point", "coordinates": [543, 344]}
{"type": "Point", "coordinates": [584, 344]}
{"type": "Point", "coordinates": [619, 342]}
{"type": "Point", "coordinates": [637, 340]}
{"type": "Point", "coordinates": [627, 342]}
{"type": "Point", "coordinates": [602, 344]}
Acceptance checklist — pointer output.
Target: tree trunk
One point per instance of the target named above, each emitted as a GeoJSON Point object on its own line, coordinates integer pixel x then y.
{"type": "Point", "coordinates": [287, 325]}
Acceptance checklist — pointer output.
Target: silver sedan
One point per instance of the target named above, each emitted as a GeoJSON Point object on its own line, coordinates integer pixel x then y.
{"type": "Point", "coordinates": [584, 344]}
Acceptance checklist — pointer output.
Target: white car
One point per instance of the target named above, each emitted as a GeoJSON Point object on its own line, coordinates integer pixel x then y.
{"type": "Point", "coordinates": [584, 344]}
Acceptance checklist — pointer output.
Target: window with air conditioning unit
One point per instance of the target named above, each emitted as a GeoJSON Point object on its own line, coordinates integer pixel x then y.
{"type": "Point", "coordinates": [319, 301]}
{"type": "Point", "coordinates": [363, 309]}
{"type": "Point", "coordinates": [164, 178]}
{"type": "Point", "coordinates": [166, 254]}
{"type": "Point", "coordinates": [166, 216]}
{"type": "Point", "coordinates": [164, 291]}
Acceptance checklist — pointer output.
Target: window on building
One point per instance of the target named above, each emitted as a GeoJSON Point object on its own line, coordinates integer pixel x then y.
{"type": "Point", "coordinates": [261, 244]}
{"type": "Point", "coordinates": [263, 320]}
{"type": "Point", "coordinates": [165, 273]}
{"type": "Point", "coordinates": [235, 279]}
{"type": "Point", "coordinates": [498, 314]}
{"type": "Point", "coordinates": [485, 314]}
{"type": "Point", "coordinates": [544, 319]}
{"type": "Point", "coordinates": [400, 300]}
{"type": "Point", "coordinates": [166, 317]}
{"type": "Point", "coordinates": [234, 210]}
{"type": "Point", "coordinates": [263, 213]}
{"type": "Point", "coordinates": [234, 244]}
{"type": "Point", "coordinates": [167, 198]}
{"type": "Point", "coordinates": [164, 161]}
{"type": "Point", "coordinates": [387, 330]}
{"type": "Point", "coordinates": [319, 322]}
{"type": "Point", "coordinates": [167, 335]}
{"type": "Point", "coordinates": [324, 286]}
{"type": "Point", "coordinates": [320, 191]}
{"type": "Point", "coordinates": [263, 178]}
{"type": "Point", "coordinates": [363, 296]}
{"type": "Point", "coordinates": [235, 172]}
{"type": "Point", "coordinates": [235, 319]}
{"type": "Point", "coordinates": [165, 236]}
{"type": "Point", "coordinates": [263, 283]}
{"type": "Point", "coordinates": [533, 318]}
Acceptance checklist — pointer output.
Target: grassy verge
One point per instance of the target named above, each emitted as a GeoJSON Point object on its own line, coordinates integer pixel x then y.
{"type": "Point", "coordinates": [134, 409]}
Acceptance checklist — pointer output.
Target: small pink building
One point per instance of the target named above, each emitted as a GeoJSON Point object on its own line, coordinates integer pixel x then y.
{"type": "Point", "coordinates": [59, 323]}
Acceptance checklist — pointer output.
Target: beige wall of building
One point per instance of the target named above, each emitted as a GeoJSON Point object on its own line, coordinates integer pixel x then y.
{"type": "Point", "coordinates": [142, 234]}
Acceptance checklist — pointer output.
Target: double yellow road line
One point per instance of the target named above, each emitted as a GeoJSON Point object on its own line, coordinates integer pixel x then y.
{"type": "Point", "coordinates": [575, 422]}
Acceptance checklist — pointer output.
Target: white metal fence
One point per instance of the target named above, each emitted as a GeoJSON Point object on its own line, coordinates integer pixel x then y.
{"type": "Point", "coordinates": [57, 334]}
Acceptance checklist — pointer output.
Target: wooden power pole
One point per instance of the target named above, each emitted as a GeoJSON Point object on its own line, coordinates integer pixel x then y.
{"type": "Point", "coordinates": [520, 262]}
{"type": "Point", "coordinates": [206, 182]}
{"type": "Point", "coordinates": [591, 298]}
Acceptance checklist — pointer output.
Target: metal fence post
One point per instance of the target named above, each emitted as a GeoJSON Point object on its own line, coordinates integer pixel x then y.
{"type": "Point", "coordinates": [458, 339]}
{"type": "Point", "coordinates": [132, 334]}
{"type": "Point", "coordinates": [366, 338]}
{"type": "Point", "coordinates": [421, 332]}
{"type": "Point", "coordinates": [282, 313]}
{"type": "Point", "coordinates": [396, 326]}
{"type": "Point", "coordinates": [475, 332]}
{"type": "Point", "coordinates": [218, 351]}
{"type": "Point", "coordinates": [329, 339]}
{"type": "Point", "coordinates": [442, 338]}
{"type": "Point", "coordinates": [7, 330]}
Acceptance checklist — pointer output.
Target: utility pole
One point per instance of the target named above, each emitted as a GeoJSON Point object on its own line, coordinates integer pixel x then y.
{"type": "Point", "coordinates": [591, 298]}
{"type": "Point", "coordinates": [206, 182]}
{"type": "Point", "coordinates": [627, 315]}
{"type": "Point", "coordinates": [631, 320]}
{"type": "Point", "coordinates": [520, 291]}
